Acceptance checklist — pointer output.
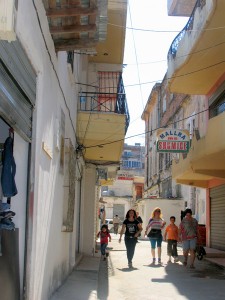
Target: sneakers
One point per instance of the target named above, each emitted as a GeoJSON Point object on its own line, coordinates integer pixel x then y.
{"type": "Point", "coordinates": [153, 262]}
{"type": "Point", "coordinates": [176, 259]}
{"type": "Point", "coordinates": [130, 264]}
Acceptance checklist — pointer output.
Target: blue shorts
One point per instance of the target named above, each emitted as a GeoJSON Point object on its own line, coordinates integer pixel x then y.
{"type": "Point", "coordinates": [156, 241]}
{"type": "Point", "coordinates": [189, 244]}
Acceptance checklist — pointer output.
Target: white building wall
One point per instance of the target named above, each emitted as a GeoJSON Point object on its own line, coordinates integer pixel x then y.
{"type": "Point", "coordinates": [89, 211]}
{"type": "Point", "coordinates": [110, 201]}
{"type": "Point", "coordinates": [49, 249]}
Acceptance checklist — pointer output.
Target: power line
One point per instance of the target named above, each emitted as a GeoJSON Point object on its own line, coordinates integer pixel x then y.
{"type": "Point", "coordinates": [181, 75]}
{"type": "Point", "coordinates": [136, 58]}
{"type": "Point", "coordinates": [165, 31]}
{"type": "Point", "coordinates": [144, 133]}
{"type": "Point", "coordinates": [159, 80]}
{"type": "Point", "coordinates": [180, 56]}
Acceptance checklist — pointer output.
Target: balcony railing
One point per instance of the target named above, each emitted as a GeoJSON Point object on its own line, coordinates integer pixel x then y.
{"type": "Point", "coordinates": [188, 27]}
{"type": "Point", "coordinates": [105, 103]}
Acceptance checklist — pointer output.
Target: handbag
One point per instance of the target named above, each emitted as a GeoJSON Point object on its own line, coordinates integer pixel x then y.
{"type": "Point", "coordinates": [155, 233]}
{"type": "Point", "coordinates": [200, 252]}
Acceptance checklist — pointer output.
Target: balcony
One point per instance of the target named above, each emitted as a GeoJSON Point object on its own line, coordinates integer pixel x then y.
{"type": "Point", "coordinates": [206, 160]}
{"type": "Point", "coordinates": [84, 26]}
{"type": "Point", "coordinates": [182, 8]}
{"type": "Point", "coordinates": [103, 119]}
{"type": "Point", "coordinates": [196, 58]}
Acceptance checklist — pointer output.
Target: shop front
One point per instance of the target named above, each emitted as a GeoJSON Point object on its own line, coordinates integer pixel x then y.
{"type": "Point", "coordinates": [17, 100]}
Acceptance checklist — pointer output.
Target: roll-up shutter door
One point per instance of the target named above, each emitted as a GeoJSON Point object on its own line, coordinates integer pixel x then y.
{"type": "Point", "coordinates": [17, 88]}
{"type": "Point", "coordinates": [217, 200]}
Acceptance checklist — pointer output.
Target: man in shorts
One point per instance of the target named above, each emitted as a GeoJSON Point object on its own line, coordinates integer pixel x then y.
{"type": "Point", "coordinates": [188, 233]}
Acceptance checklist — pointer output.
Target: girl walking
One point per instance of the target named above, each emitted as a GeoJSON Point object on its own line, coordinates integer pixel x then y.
{"type": "Point", "coordinates": [156, 224]}
{"type": "Point", "coordinates": [104, 236]}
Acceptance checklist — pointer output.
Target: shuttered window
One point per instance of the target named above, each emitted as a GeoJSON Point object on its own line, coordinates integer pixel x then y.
{"type": "Point", "coordinates": [17, 88]}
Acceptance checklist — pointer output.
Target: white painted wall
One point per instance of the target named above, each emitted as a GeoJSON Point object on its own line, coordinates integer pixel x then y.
{"type": "Point", "coordinates": [110, 201]}
{"type": "Point", "coordinates": [89, 211]}
{"type": "Point", "coordinates": [122, 188]}
{"type": "Point", "coordinates": [50, 250]}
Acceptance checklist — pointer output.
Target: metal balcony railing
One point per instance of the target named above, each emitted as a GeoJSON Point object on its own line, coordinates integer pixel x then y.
{"type": "Point", "coordinates": [105, 102]}
{"type": "Point", "coordinates": [188, 27]}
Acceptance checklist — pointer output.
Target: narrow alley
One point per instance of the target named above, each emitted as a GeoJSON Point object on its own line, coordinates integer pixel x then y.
{"type": "Point", "coordinates": [167, 281]}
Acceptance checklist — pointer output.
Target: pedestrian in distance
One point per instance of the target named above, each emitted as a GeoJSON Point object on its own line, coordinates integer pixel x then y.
{"type": "Point", "coordinates": [116, 223]}
{"type": "Point", "coordinates": [171, 236]}
{"type": "Point", "coordinates": [188, 234]}
{"type": "Point", "coordinates": [105, 237]}
{"type": "Point", "coordinates": [132, 228]}
{"type": "Point", "coordinates": [155, 225]}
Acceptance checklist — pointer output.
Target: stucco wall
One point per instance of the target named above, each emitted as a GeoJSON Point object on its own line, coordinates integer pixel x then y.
{"type": "Point", "coordinates": [89, 212]}
{"type": "Point", "coordinates": [50, 249]}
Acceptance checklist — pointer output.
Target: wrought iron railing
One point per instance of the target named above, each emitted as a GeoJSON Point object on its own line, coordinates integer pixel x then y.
{"type": "Point", "coordinates": [188, 27]}
{"type": "Point", "coordinates": [106, 102]}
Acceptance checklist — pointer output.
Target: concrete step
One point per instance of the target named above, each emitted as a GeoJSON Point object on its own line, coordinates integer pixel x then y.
{"type": "Point", "coordinates": [214, 253]}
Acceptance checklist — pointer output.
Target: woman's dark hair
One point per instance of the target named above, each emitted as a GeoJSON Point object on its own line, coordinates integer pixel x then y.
{"type": "Point", "coordinates": [135, 215]}
{"type": "Point", "coordinates": [188, 211]}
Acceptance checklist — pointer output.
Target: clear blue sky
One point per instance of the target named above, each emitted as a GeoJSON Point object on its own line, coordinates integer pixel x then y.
{"type": "Point", "coordinates": [146, 55]}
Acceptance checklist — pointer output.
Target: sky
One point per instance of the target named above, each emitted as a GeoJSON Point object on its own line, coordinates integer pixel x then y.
{"type": "Point", "coordinates": [145, 56]}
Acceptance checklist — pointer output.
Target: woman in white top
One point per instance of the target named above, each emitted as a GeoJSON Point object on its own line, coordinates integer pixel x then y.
{"type": "Point", "coordinates": [156, 224]}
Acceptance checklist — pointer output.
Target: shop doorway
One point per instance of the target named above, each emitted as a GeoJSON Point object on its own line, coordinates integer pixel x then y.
{"type": "Point", "coordinates": [13, 215]}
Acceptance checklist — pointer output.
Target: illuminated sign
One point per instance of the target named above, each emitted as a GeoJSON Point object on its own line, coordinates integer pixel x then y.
{"type": "Point", "coordinates": [173, 140]}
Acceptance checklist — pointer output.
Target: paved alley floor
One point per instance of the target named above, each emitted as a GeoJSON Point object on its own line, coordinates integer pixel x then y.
{"type": "Point", "coordinates": [161, 282]}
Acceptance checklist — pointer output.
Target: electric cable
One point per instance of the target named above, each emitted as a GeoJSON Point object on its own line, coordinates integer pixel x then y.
{"type": "Point", "coordinates": [180, 56]}
{"type": "Point", "coordinates": [136, 58]}
{"type": "Point", "coordinates": [53, 67]}
{"type": "Point", "coordinates": [144, 133]}
{"type": "Point", "coordinates": [181, 75]}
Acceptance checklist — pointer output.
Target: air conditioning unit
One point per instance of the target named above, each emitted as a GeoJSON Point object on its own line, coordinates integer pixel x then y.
{"type": "Point", "coordinates": [7, 15]}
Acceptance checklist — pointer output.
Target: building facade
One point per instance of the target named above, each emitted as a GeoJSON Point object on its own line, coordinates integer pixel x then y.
{"type": "Point", "coordinates": [53, 133]}
{"type": "Point", "coordinates": [196, 67]}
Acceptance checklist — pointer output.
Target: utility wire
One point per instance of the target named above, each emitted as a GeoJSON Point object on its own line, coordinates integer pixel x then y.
{"type": "Point", "coordinates": [181, 75]}
{"type": "Point", "coordinates": [53, 67]}
{"type": "Point", "coordinates": [136, 58]}
{"type": "Point", "coordinates": [180, 56]}
{"type": "Point", "coordinates": [166, 31]}
{"type": "Point", "coordinates": [144, 133]}
{"type": "Point", "coordinates": [177, 76]}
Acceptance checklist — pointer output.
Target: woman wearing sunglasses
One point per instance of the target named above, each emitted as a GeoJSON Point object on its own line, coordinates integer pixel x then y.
{"type": "Point", "coordinates": [155, 225]}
